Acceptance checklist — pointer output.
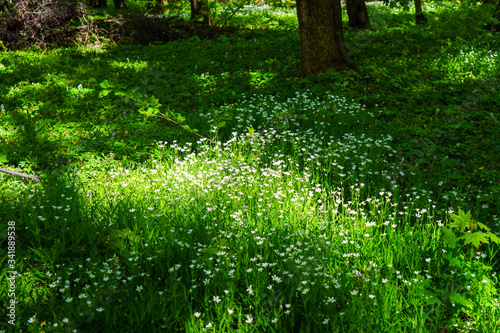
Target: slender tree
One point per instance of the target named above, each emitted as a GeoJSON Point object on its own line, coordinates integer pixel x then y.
{"type": "Point", "coordinates": [200, 12]}
{"type": "Point", "coordinates": [358, 14]}
{"type": "Point", "coordinates": [322, 46]}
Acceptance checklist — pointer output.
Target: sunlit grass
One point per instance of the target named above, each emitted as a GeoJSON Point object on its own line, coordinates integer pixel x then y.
{"type": "Point", "coordinates": [276, 229]}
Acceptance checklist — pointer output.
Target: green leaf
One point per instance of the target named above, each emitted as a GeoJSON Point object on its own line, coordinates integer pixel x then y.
{"type": "Point", "coordinates": [494, 238]}
{"type": "Point", "coordinates": [452, 261]}
{"type": "Point", "coordinates": [103, 93]}
{"type": "Point", "coordinates": [151, 112]}
{"type": "Point", "coordinates": [483, 226]}
{"type": "Point", "coordinates": [450, 237]}
{"type": "Point", "coordinates": [460, 221]}
{"type": "Point", "coordinates": [179, 118]}
{"type": "Point", "coordinates": [433, 300]}
{"type": "Point", "coordinates": [457, 298]}
{"type": "Point", "coordinates": [475, 238]}
{"type": "Point", "coordinates": [251, 131]}
{"type": "Point", "coordinates": [221, 124]}
{"type": "Point", "coordinates": [136, 94]}
{"type": "Point", "coordinates": [153, 101]}
{"type": "Point", "coordinates": [105, 84]}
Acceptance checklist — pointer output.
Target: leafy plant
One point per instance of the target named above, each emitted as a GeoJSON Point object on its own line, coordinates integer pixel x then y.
{"type": "Point", "coordinates": [463, 228]}
{"type": "Point", "coordinates": [147, 106]}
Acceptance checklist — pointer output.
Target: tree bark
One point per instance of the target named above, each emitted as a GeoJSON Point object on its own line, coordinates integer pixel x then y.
{"type": "Point", "coordinates": [322, 45]}
{"type": "Point", "coordinates": [200, 12]}
{"type": "Point", "coordinates": [358, 14]}
{"type": "Point", "coordinates": [496, 15]}
{"type": "Point", "coordinates": [158, 6]}
{"type": "Point", "coordinates": [20, 174]}
{"type": "Point", "coordinates": [419, 15]}
{"type": "Point", "coordinates": [119, 4]}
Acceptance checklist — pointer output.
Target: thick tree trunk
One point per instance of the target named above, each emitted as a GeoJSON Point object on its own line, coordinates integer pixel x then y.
{"type": "Point", "coordinates": [419, 15]}
{"type": "Point", "coordinates": [200, 12]}
{"type": "Point", "coordinates": [322, 46]}
{"type": "Point", "coordinates": [120, 4]}
{"type": "Point", "coordinates": [358, 14]}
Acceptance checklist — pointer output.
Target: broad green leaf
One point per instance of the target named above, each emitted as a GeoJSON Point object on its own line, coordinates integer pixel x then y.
{"type": "Point", "coordinates": [433, 300]}
{"type": "Point", "coordinates": [151, 112]}
{"type": "Point", "coordinates": [180, 119]}
{"type": "Point", "coordinates": [251, 131]}
{"type": "Point", "coordinates": [186, 127]}
{"type": "Point", "coordinates": [494, 238]}
{"type": "Point", "coordinates": [460, 221]}
{"type": "Point", "coordinates": [457, 298]}
{"type": "Point", "coordinates": [475, 238]}
{"type": "Point", "coordinates": [103, 93]}
{"type": "Point", "coordinates": [450, 237]}
{"type": "Point", "coordinates": [221, 124]}
{"type": "Point", "coordinates": [452, 261]}
{"type": "Point", "coordinates": [153, 101]}
{"type": "Point", "coordinates": [105, 84]}
{"type": "Point", "coordinates": [483, 226]}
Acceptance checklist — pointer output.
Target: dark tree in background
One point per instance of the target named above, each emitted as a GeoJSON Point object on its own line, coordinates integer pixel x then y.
{"type": "Point", "coordinates": [322, 46]}
{"type": "Point", "coordinates": [200, 12]}
{"type": "Point", "coordinates": [119, 4]}
{"type": "Point", "coordinates": [419, 15]}
{"type": "Point", "coordinates": [158, 6]}
{"type": "Point", "coordinates": [358, 14]}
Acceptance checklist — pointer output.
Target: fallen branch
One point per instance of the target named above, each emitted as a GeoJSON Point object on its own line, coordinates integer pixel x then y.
{"type": "Point", "coordinates": [20, 174]}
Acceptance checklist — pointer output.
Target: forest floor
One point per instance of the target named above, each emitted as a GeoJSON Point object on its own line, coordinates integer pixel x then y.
{"type": "Point", "coordinates": [256, 200]}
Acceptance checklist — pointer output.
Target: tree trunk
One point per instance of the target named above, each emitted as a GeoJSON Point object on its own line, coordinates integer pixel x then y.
{"type": "Point", "coordinates": [496, 15]}
{"type": "Point", "coordinates": [120, 4]}
{"type": "Point", "coordinates": [358, 14]}
{"type": "Point", "coordinates": [419, 15]}
{"type": "Point", "coordinates": [159, 6]}
{"type": "Point", "coordinates": [200, 12]}
{"type": "Point", "coordinates": [322, 46]}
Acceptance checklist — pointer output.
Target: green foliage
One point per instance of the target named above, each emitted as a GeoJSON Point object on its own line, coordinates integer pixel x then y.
{"type": "Point", "coordinates": [466, 226]}
{"type": "Point", "coordinates": [324, 197]}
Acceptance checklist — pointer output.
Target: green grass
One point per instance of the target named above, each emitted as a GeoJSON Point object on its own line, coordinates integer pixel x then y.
{"type": "Point", "coordinates": [310, 205]}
